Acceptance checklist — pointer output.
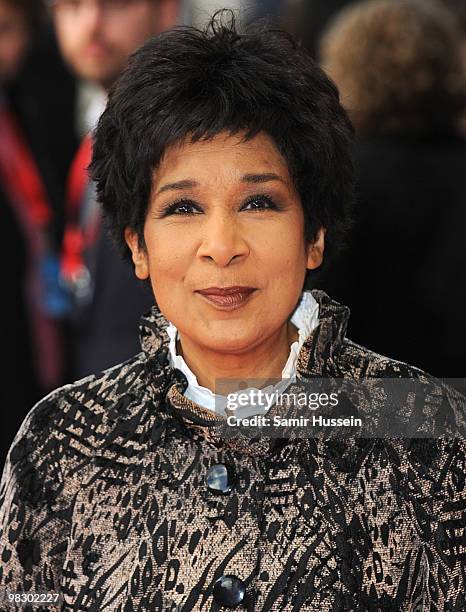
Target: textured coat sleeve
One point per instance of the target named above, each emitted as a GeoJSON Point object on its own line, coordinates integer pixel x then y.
{"type": "Point", "coordinates": [446, 556]}
{"type": "Point", "coordinates": [33, 523]}
{"type": "Point", "coordinates": [444, 561]}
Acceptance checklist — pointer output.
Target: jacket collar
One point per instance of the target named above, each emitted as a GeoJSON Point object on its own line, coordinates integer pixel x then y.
{"type": "Point", "coordinates": [320, 350]}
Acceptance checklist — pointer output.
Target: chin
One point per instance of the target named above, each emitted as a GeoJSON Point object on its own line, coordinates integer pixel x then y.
{"type": "Point", "coordinates": [229, 343]}
{"type": "Point", "coordinates": [229, 347]}
{"type": "Point", "coordinates": [96, 73]}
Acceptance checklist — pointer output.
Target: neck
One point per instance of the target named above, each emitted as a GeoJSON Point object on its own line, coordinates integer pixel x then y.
{"type": "Point", "coordinates": [264, 361]}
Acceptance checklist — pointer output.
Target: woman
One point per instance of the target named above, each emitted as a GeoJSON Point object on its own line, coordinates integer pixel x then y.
{"type": "Point", "coordinates": [222, 165]}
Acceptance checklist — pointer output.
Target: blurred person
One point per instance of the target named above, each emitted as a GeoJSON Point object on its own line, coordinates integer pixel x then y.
{"type": "Point", "coordinates": [31, 334]}
{"type": "Point", "coordinates": [96, 38]}
{"type": "Point", "coordinates": [398, 66]}
{"type": "Point", "coordinates": [127, 490]}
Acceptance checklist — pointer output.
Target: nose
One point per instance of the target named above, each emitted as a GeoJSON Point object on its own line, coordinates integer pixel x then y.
{"type": "Point", "coordinates": [223, 242]}
{"type": "Point", "coordinates": [91, 13]}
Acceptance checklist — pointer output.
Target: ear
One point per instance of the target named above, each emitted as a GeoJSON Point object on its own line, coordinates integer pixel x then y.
{"type": "Point", "coordinates": [315, 251]}
{"type": "Point", "coordinates": [139, 256]}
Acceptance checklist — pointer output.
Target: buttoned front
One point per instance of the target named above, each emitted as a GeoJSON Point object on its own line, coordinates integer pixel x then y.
{"type": "Point", "coordinates": [124, 495]}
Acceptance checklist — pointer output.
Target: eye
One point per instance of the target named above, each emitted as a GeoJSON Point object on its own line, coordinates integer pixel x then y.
{"type": "Point", "coordinates": [181, 207]}
{"type": "Point", "coordinates": [260, 202]}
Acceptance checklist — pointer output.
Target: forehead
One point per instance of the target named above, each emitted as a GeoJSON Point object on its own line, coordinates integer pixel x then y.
{"type": "Point", "coordinates": [222, 156]}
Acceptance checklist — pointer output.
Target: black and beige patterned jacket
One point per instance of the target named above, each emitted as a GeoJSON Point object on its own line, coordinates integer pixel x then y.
{"type": "Point", "coordinates": [104, 499]}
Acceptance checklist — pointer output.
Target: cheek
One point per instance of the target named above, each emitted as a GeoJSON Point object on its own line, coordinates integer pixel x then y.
{"type": "Point", "coordinates": [70, 38]}
{"type": "Point", "coordinates": [133, 33]}
{"type": "Point", "coordinates": [283, 264]}
{"type": "Point", "coordinates": [168, 263]}
{"type": "Point", "coordinates": [169, 253]}
{"type": "Point", "coordinates": [282, 252]}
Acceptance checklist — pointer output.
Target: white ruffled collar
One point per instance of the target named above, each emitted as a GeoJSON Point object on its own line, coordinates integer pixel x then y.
{"type": "Point", "coordinates": [305, 318]}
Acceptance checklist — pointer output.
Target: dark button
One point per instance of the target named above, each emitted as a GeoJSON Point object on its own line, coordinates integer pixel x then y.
{"type": "Point", "coordinates": [229, 591]}
{"type": "Point", "coordinates": [220, 478]}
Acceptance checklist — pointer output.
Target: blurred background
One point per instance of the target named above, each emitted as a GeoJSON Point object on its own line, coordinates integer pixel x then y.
{"type": "Point", "coordinates": [71, 307]}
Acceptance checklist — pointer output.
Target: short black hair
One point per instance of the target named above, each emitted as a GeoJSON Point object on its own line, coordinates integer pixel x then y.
{"type": "Point", "coordinates": [188, 82]}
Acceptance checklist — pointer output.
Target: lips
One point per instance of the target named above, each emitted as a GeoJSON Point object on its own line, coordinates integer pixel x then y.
{"type": "Point", "coordinates": [95, 49]}
{"type": "Point", "coordinates": [227, 298]}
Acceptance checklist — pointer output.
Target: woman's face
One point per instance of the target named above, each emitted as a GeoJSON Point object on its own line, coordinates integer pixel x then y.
{"type": "Point", "coordinates": [224, 214]}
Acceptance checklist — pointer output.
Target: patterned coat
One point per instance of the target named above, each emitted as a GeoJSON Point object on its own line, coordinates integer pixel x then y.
{"type": "Point", "coordinates": [104, 499]}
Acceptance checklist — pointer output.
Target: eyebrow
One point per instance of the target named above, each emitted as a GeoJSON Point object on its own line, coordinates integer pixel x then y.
{"type": "Point", "coordinates": [246, 178]}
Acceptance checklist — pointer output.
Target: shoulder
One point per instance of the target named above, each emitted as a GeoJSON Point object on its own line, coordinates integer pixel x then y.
{"type": "Point", "coordinates": [73, 420]}
{"type": "Point", "coordinates": [435, 405]}
{"type": "Point", "coordinates": [361, 362]}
